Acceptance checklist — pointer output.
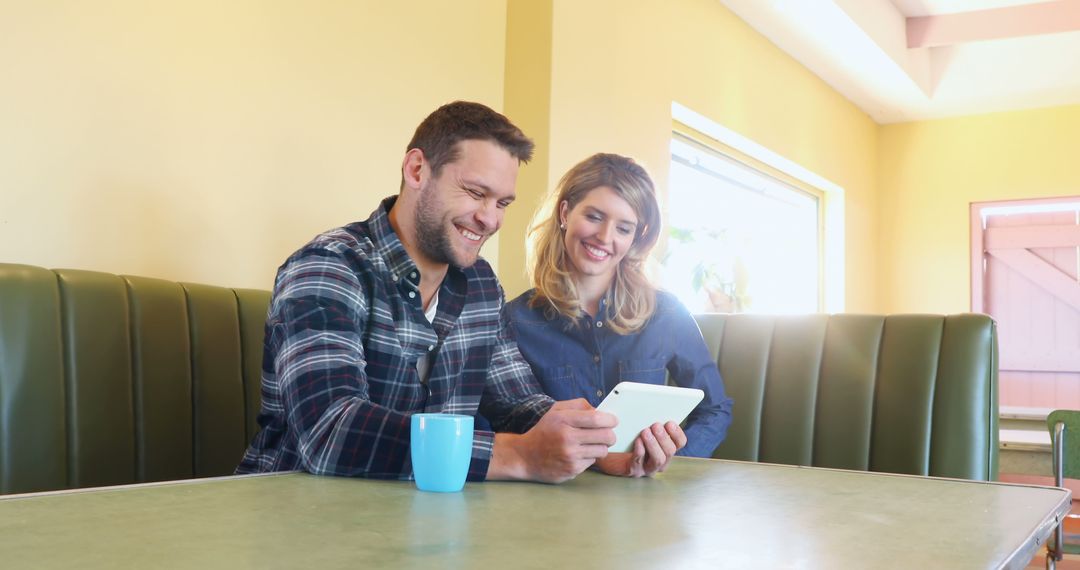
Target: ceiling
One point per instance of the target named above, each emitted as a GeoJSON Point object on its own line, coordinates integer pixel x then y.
{"type": "Point", "coordinates": [910, 60]}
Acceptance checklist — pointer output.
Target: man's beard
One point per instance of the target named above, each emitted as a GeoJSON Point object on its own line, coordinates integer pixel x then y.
{"type": "Point", "coordinates": [431, 232]}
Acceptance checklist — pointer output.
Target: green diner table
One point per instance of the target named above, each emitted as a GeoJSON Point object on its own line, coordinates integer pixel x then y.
{"type": "Point", "coordinates": [698, 514]}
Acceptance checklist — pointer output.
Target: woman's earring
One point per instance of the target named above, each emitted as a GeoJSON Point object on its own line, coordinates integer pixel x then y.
{"type": "Point", "coordinates": [562, 226]}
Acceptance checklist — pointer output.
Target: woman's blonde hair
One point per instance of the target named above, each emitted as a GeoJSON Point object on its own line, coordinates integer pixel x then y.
{"type": "Point", "coordinates": [631, 299]}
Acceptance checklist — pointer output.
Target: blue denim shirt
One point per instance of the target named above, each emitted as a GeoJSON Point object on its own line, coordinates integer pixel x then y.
{"type": "Point", "coordinates": [588, 361]}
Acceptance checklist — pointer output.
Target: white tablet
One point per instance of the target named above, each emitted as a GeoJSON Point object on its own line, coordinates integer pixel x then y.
{"type": "Point", "coordinates": [639, 406]}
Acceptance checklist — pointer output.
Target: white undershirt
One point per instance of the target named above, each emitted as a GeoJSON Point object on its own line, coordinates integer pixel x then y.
{"type": "Point", "coordinates": [433, 307]}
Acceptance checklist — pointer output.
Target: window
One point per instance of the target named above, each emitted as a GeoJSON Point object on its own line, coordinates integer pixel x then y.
{"type": "Point", "coordinates": [744, 235]}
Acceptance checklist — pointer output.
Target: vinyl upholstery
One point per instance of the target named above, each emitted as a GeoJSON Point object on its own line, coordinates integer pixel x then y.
{"type": "Point", "coordinates": [108, 379]}
{"type": "Point", "coordinates": [913, 394]}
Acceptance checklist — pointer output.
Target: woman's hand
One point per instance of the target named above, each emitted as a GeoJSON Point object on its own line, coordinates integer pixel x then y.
{"type": "Point", "coordinates": [652, 452]}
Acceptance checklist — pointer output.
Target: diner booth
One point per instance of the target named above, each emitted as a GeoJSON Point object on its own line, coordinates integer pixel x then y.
{"type": "Point", "coordinates": [875, 235]}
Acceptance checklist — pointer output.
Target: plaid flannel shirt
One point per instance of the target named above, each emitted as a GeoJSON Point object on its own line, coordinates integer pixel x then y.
{"type": "Point", "coordinates": [343, 335]}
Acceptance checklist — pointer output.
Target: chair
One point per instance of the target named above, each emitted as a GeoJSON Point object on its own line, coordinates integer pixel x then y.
{"type": "Point", "coordinates": [1064, 426]}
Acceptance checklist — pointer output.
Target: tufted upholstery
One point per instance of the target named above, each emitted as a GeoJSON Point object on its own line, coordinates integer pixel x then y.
{"type": "Point", "coordinates": [910, 394]}
{"type": "Point", "coordinates": [108, 379]}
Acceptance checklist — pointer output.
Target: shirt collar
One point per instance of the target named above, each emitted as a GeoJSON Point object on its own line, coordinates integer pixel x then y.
{"type": "Point", "coordinates": [387, 244]}
{"type": "Point", "coordinates": [389, 247]}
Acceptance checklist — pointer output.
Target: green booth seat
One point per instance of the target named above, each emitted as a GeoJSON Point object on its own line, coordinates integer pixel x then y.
{"type": "Point", "coordinates": [904, 393]}
{"type": "Point", "coordinates": [108, 379]}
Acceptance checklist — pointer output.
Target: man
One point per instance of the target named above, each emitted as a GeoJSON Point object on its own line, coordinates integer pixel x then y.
{"type": "Point", "coordinates": [395, 315]}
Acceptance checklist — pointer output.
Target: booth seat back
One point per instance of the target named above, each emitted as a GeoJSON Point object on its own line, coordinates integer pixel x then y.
{"type": "Point", "coordinates": [912, 394]}
{"type": "Point", "coordinates": [108, 379]}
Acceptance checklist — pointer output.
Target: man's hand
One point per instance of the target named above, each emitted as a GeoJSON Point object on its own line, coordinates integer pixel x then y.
{"type": "Point", "coordinates": [652, 452]}
{"type": "Point", "coordinates": [565, 442]}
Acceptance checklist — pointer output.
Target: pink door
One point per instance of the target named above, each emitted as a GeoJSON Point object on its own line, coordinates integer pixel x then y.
{"type": "Point", "coordinates": [1029, 255]}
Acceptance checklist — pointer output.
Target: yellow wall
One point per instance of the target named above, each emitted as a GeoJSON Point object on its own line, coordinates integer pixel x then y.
{"type": "Point", "coordinates": [930, 172]}
{"type": "Point", "coordinates": [206, 140]}
{"type": "Point", "coordinates": [616, 67]}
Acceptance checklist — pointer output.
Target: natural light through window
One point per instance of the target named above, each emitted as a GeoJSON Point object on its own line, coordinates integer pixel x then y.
{"type": "Point", "coordinates": [739, 240]}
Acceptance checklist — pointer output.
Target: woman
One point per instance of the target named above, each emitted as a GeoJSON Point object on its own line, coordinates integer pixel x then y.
{"type": "Point", "coordinates": [594, 319]}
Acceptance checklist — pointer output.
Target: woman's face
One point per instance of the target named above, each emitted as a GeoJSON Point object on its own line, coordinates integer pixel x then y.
{"type": "Point", "coordinates": [599, 231]}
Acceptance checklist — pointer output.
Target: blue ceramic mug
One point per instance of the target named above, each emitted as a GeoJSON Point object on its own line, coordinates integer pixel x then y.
{"type": "Point", "coordinates": [441, 451]}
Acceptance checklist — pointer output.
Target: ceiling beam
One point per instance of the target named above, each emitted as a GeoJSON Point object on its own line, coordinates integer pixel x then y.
{"type": "Point", "coordinates": [997, 23]}
{"type": "Point", "coordinates": [830, 41]}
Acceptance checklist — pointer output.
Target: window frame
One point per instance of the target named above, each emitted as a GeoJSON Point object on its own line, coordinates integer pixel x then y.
{"type": "Point", "coordinates": [703, 132]}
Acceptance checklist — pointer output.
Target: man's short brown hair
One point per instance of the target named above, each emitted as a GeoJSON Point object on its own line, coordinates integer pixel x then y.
{"type": "Point", "coordinates": [438, 135]}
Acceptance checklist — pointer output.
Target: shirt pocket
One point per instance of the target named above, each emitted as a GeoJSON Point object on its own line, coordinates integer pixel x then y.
{"type": "Point", "coordinates": [560, 383]}
{"type": "Point", "coordinates": [646, 371]}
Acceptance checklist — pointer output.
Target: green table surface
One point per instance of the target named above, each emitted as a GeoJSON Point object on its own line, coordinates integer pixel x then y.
{"type": "Point", "coordinates": [698, 514]}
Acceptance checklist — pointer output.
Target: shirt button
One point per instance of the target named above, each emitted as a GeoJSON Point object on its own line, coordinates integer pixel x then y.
{"type": "Point", "coordinates": [596, 358]}
{"type": "Point", "coordinates": [413, 275]}
{"type": "Point", "coordinates": [431, 348]}
{"type": "Point", "coordinates": [599, 393]}
{"type": "Point", "coordinates": [599, 323]}
{"type": "Point", "coordinates": [393, 276]}
{"type": "Point", "coordinates": [412, 294]}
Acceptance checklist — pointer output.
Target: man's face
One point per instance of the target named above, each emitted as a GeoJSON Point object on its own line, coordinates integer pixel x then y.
{"type": "Point", "coordinates": [462, 207]}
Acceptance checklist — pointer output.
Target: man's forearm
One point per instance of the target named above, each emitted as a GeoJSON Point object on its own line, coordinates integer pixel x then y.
{"type": "Point", "coordinates": [507, 462]}
{"type": "Point", "coordinates": [357, 438]}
